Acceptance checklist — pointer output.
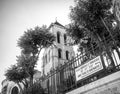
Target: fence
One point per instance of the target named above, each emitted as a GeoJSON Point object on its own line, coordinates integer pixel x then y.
{"type": "Point", "coordinates": [99, 61]}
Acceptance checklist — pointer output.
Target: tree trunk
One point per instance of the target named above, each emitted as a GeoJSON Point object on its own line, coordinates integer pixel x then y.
{"type": "Point", "coordinates": [31, 83]}
{"type": "Point", "coordinates": [106, 49]}
{"type": "Point", "coordinates": [114, 42]}
{"type": "Point", "coordinates": [109, 54]}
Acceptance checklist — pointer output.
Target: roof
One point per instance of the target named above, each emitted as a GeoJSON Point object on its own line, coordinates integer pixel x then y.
{"type": "Point", "coordinates": [57, 23]}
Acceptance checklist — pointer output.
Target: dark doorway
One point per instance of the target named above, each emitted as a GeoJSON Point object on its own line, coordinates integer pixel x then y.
{"type": "Point", "coordinates": [14, 90]}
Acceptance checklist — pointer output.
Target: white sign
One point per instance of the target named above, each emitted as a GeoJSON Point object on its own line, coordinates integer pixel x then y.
{"type": "Point", "coordinates": [88, 68]}
{"type": "Point", "coordinates": [116, 8]}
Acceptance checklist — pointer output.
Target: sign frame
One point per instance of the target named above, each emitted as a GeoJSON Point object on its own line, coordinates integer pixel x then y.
{"type": "Point", "coordinates": [89, 68]}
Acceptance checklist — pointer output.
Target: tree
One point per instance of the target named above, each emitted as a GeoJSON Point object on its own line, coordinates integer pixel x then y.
{"type": "Point", "coordinates": [31, 44]}
{"type": "Point", "coordinates": [17, 75]}
{"type": "Point", "coordinates": [92, 26]}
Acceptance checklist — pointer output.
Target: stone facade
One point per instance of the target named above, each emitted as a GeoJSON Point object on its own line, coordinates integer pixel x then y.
{"type": "Point", "coordinates": [106, 85]}
{"type": "Point", "coordinates": [55, 56]}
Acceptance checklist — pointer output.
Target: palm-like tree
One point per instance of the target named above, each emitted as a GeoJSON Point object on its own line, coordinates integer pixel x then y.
{"type": "Point", "coordinates": [31, 43]}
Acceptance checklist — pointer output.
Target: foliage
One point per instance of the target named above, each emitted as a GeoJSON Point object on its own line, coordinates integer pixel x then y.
{"type": "Point", "coordinates": [18, 75]}
{"type": "Point", "coordinates": [31, 43]}
{"type": "Point", "coordinates": [92, 22]}
{"type": "Point", "coordinates": [34, 89]}
{"type": "Point", "coordinates": [35, 39]}
{"type": "Point", "coordinates": [15, 73]}
{"type": "Point", "coordinates": [27, 63]}
{"type": "Point", "coordinates": [88, 13]}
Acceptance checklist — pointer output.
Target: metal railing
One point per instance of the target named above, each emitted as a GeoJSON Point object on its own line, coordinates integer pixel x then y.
{"type": "Point", "coordinates": [63, 78]}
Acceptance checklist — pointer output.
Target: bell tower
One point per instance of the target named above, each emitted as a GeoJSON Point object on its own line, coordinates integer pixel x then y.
{"type": "Point", "coordinates": [57, 55]}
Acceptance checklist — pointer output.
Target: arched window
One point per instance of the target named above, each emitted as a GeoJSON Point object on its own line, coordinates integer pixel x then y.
{"type": "Point", "coordinates": [58, 37]}
{"type": "Point", "coordinates": [67, 55]}
{"type": "Point", "coordinates": [59, 53]}
{"type": "Point", "coordinates": [14, 90]}
{"type": "Point", "coordinates": [65, 39]}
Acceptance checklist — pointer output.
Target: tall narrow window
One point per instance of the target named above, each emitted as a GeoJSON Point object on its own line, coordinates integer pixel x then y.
{"type": "Point", "coordinates": [58, 37]}
{"type": "Point", "coordinates": [65, 39]}
{"type": "Point", "coordinates": [49, 56]}
{"type": "Point", "coordinates": [46, 59]}
{"type": "Point", "coordinates": [59, 53]}
{"type": "Point", "coordinates": [67, 55]}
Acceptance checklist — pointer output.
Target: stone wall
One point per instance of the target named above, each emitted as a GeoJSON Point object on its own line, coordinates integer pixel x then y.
{"type": "Point", "coordinates": [107, 85]}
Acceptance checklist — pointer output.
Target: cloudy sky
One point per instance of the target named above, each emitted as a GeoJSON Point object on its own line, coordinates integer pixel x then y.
{"type": "Point", "coordinates": [16, 16]}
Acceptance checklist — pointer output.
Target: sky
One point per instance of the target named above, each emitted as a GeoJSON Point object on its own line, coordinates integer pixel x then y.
{"type": "Point", "coordinates": [16, 16]}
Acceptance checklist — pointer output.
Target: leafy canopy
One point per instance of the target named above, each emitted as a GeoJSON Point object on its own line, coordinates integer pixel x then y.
{"type": "Point", "coordinates": [89, 19]}
{"type": "Point", "coordinates": [35, 39]}
{"type": "Point", "coordinates": [15, 73]}
{"type": "Point", "coordinates": [31, 43]}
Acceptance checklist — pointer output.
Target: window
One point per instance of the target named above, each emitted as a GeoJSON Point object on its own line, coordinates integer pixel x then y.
{"type": "Point", "coordinates": [67, 55]}
{"type": "Point", "coordinates": [65, 38]}
{"type": "Point", "coordinates": [14, 90]}
{"type": "Point", "coordinates": [49, 56]}
{"type": "Point", "coordinates": [58, 37]}
{"type": "Point", "coordinates": [59, 53]}
{"type": "Point", "coordinates": [46, 59]}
